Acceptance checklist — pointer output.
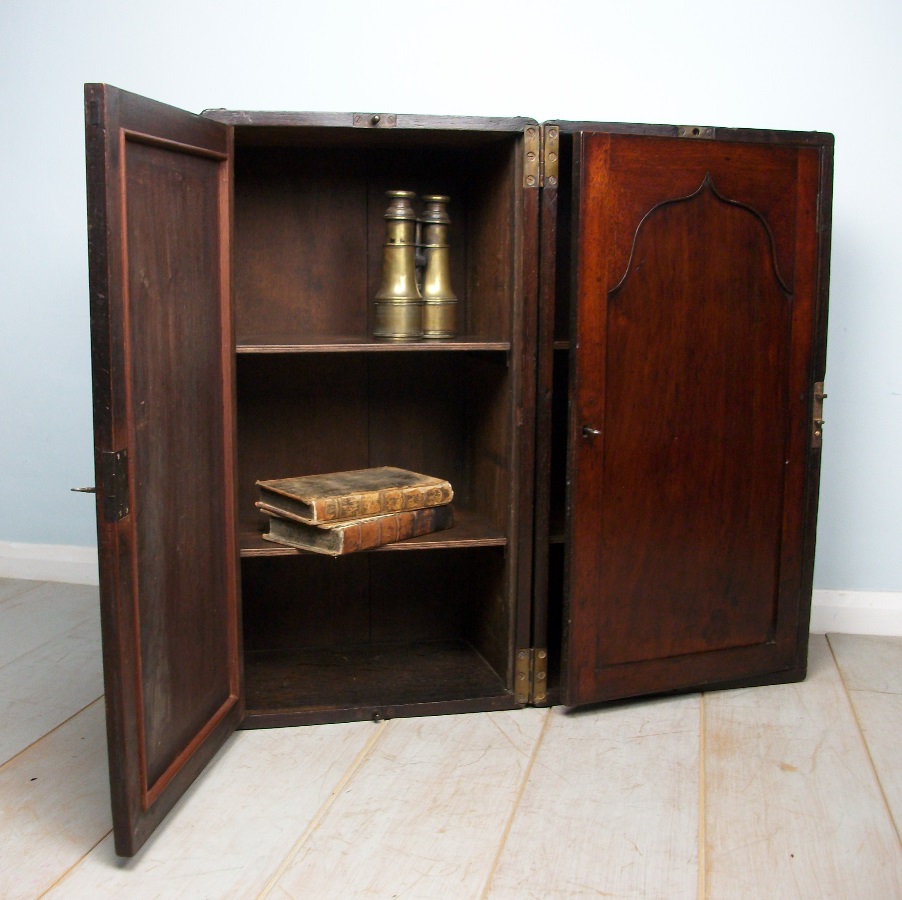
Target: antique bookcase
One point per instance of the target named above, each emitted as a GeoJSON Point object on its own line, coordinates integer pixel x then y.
{"type": "Point", "coordinates": [629, 415]}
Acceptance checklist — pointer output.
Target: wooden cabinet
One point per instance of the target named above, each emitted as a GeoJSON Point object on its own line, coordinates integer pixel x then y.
{"type": "Point", "coordinates": [627, 416]}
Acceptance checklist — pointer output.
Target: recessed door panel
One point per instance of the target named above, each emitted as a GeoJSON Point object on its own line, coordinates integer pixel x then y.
{"type": "Point", "coordinates": [695, 271]}
{"type": "Point", "coordinates": [159, 223]}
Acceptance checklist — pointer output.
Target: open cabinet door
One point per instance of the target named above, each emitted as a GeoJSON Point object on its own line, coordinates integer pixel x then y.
{"type": "Point", "coordinates": [159, 212]}
{"type": "Point", "coordinates": [700, 304]}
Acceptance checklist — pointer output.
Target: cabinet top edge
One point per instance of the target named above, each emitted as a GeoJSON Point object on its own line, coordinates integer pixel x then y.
{"type": "Point", "coordinates": [365, 120]}
{"type": "Point", "coordinates": [764, 135]}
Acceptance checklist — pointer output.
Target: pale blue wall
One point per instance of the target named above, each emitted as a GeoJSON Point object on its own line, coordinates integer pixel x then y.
{"type": "Point", "coordinates": [794, 64]}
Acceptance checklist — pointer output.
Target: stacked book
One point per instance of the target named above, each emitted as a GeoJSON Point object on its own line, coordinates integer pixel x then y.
{"type": "Point", "coordinates": [343, 512]}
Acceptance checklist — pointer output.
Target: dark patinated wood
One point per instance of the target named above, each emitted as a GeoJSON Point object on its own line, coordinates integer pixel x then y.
{"type": "Point", "coordinates": [335, 623]}
{"type": "Point", "coordinates": [159, 236]}
{"type": "Point", "coordinates": [670, 292]}
{"type": "Point", "coordinates": [316, 393]}
{"type": "Point", "coordinates": [695, 329]}
{"type": "Point", "coordinates": [373, 679]}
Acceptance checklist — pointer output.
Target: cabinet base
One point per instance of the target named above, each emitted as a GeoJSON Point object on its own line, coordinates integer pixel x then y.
{"type": "Point", "coordinates": [373, 681]}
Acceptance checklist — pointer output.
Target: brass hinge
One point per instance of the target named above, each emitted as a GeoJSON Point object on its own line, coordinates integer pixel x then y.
{"type": "Point", "coordinates": [531, 156]}
{"type": "Point", "coordinates": [551, 151]}
{"type": "Point", "coordinates": [114, 481]}
{"type": "Point", "coordinates": [817, 415]}
{"type": "Point", "coordinates": [531, 675]}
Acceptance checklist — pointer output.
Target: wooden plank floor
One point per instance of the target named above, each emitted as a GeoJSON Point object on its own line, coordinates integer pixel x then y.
{"type": "Point", "coordinates": [785, 791]}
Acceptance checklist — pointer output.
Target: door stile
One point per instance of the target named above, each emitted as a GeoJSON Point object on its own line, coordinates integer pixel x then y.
{"type": "Point", "coordinates": [524, 348]}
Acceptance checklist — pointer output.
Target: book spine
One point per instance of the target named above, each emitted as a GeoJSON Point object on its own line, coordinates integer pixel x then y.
{"type": "Point", "coordinates": [391, 528]}
{"type": "Point", "coordinates": [350, 537]}
{"type": "Point", "coordinates": [375, 503]}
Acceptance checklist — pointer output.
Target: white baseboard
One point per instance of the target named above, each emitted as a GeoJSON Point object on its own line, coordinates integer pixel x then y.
{"type": "Point", "coordinates": [845, 612]}
{"type": "Point", "coordinates": [49, 562]}
{"type": "Point", "coordinates": [856, 612]}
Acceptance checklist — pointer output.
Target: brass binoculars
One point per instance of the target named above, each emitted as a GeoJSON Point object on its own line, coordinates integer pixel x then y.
{"type": "Point", "coordinates": [415, 300]}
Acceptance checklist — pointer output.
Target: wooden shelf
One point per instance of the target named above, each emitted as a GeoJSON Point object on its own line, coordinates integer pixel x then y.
{"type": "Point", "coordinates": [346, 344]}
{"type": "Point", "coordinates": [469, 530]}
{"type": "Point", "coordinates": [285, 683]}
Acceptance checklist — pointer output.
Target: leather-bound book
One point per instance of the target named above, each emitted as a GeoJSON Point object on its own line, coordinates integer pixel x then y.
{"type": "Point", "coordinates": [340, 538]}
{"type": "Point", "coordinates": [356, 494]}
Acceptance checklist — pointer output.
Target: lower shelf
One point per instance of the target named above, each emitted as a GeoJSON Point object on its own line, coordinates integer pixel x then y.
{"type": "Point", "coordinates": [369, 682]}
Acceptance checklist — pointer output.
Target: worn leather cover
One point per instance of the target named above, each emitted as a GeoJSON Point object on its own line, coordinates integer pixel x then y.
{"type": "Point", "coordinates": [359, 534]}
{"type": "Point", "coordinates": [355, 494]}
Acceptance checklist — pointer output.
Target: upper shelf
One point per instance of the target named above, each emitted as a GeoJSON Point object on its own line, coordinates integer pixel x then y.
{"type": "Point", "coordinates": [348, 344]}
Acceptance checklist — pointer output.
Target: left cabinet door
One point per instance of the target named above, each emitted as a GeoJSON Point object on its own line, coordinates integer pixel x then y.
{"type": "Point", "coordinates": [159, 223]}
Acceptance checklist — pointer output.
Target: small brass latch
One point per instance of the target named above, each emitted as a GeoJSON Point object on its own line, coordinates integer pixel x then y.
{"type": "Point", "coordinates": [817, 415]}
{"type": "Point", "coordinates": [700, 132]}
{"type": "Point", "coordinates": [375, 120]}
{"type": "Point", "coordinates": [531, 675]}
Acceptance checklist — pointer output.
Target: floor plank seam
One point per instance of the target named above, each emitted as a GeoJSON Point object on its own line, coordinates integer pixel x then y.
{"type": "Point", "coordinates": [702, 803]}
{"type": "Point", "coordinates": [74, 865]}
{"type": "Point", "coordinates": [864, 741]}
{"type": "Point", "coordinates": [516, 806]}
{"type": "Point", "coordinates": [323, 811]}
{"type": "Point", "coordinates": [62, 636]}
{"type": "Point", "coordinates": [56, 727]}
{"type": "Point", "coordinates": [28, 590]}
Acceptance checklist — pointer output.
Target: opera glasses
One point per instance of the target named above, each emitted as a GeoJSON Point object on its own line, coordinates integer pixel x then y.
{"type": "Point", "coordinates": [415, 300]}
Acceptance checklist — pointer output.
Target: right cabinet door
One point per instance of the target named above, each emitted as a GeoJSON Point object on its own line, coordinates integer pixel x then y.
{"type": "Point", "coordinates": [700, 285]}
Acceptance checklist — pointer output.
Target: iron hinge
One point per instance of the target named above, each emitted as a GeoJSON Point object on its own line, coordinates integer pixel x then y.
{"type": "Point", "coordinates": [531, 675]}
{"type": "Point", "coordinates": [817, 415]}
{"type": "Point", "coordinates": [531, 156]}
{"type": "Point", "coordinates": [375, 120]}
{"type": "Point", "coordinates": [114, 484]}
{"type": "Point", "coordinates": [551, 151]}
{"type": "Point", "coordinates": [699, 132]}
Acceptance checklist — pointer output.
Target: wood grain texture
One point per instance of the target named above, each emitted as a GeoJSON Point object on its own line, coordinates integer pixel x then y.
{"type": "Point", "coordinates": [871, 669]}
{"type": "Point", "coordinates": [793, 807]}
{"type": "Point", "coordinates": [694, 450]}
{"type": "Point", "coordinates": [178, 466]}
{"type": "Point", "coordinates": [31, 701]}
{"type": "Point", "coordinates": [41, 612]}
{"type": "Point", "coordinates": [380, 678]}
{"type": "Point", "coordinates": [374, 632]}
{"type": "Point", "coordinates": [424, 813]}
{"type": "Point", "coordinates": [55, 804]}
{"type": "Point", "coordinates": [610, 808]}
{"type": "Point", "coordinates": [235, 826]}
{"type": "Point", "coordinates": [159, 252]}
